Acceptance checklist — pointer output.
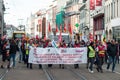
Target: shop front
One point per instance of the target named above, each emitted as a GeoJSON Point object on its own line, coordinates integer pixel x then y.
{"type": "Point", "coordinates": [115, 23]}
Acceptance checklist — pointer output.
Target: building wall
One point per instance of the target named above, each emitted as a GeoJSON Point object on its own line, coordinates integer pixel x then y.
{"type": "Point", "coordinates": [1, 17]}
{"type": "Point", "coordinates": [73, 18]}
{"type": "Point", "coordinates": [112, 13]}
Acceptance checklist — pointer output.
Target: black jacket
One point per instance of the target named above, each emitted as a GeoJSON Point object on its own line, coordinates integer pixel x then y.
{"type": "Point", "coordinates": [13, 48]}
{"type": "Point", "coordinates": [112, 50]}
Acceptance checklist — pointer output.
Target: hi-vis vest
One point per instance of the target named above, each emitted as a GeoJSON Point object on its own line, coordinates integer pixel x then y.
{"type": "Point", "coordinates": [27, 49]}
{"type": "Point", "coordinates": [101, 50]}
{"type": "Point", "coordinates": [91, 52]}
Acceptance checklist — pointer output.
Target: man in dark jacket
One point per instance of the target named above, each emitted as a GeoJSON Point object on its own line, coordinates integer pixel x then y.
{"type": "Point", "coordinates": [112, 53]}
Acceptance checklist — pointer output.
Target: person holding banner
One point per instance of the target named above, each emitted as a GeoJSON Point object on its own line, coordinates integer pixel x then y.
{"type": "Point", "coordinates": [62, 45]}
{"type": "Point", "coordinates": [27, 47]}
{"type": "Point", "coordinates": [91, 56]}
{"type": "Point", "coordinates": [49, 45]}
{"type": "Point", "coordinates": [76, 45]}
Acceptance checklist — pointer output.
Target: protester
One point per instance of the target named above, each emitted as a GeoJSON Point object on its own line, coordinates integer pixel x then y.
{"type": "Point", "coordinates": [27, 47]}
{"type": "Point", "coordinates": [100, 55]}
{"type": "Point", "coordinates": [76, 45]}
{"type": "Point", "coordinates": [5, 54]}
{"type": "Point", "coordinates": [118, 52]}
{"type": "Point", "coordinates": [49, 45]}
{"type": "Point", "coordinates": [112, 53]}
{"type": "Point", "coordinates": [91, 56]}
{"type": "Point", "coordinates": [62, 45]}
{"type": "Point", "coordinates": [20, 51]}
{"type": "Point", "coordinates": [13, 50]}
{"type": "Point", "coordinates": [23, 51]}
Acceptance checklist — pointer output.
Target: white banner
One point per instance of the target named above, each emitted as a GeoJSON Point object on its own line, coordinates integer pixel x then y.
{"type": "Point", "coordinates": [58, 56]}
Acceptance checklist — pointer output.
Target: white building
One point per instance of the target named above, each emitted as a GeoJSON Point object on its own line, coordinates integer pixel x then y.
{"type": "Point", "coordinates": [51, 17]}
{"type": "Point", "coordinates": [86, 20]}
{"type": "Point", "coordinates": [30, 26]}
{"type": "Point", "coordinates": [112, 19]}
{"type": "Point", "coordinates": [61, 4]}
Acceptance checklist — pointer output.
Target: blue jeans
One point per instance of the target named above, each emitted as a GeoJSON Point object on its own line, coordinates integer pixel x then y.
{"type": "Point", "coordinates": [111, 59]}
{"type": "Point", "coordinates": [13, 55]}
{"type": "Point", "coordinates": [20, 55]}
{"type": "Point", "coordinates": [91, 61]}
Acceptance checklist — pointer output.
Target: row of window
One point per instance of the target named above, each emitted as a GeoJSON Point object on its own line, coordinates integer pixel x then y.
{"type": "Point", "coordinates": [112, 10]}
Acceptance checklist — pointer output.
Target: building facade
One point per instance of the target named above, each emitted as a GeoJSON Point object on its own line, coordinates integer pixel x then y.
{"type": "Point", "coordinates": [2, 25]}
{"type": "Point", "coordinates": [86, 20]}
{"type": "Point", "coordinates": [112, 19]}
{"type": "Point", "coordinates": [98, 21]}
{"type": "Point", "coordinates": [72, 14]}
{"type": "Point", "coordinates": [51, 17]}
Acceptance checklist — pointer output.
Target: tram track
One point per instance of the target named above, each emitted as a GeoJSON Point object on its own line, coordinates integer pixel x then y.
{"type": "Point", "coordinates": [76, 73]}
{"type": "Point", "coordinates": [48, 73]}
{"type": "Point", "coordinates": [5, 71]}
{"type": "Point", "coordinates": [51, 73]}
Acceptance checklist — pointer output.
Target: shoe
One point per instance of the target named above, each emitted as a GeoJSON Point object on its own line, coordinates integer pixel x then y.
{"type": "Point", "coordinates": [97, 69]}
{"type": "Point", "coordinates": [8, 67]}
{"type": "Point", "coordinates": [91, 71]}
{"type": "Point", "coordinates": [113, 71]}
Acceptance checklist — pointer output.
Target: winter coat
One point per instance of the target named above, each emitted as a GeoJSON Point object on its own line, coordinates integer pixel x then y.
{"type": "Point", "coordinates": [111, 50]}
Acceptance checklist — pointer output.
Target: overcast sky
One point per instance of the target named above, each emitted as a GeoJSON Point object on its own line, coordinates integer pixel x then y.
{"type": "Point", "coordinates": [21, 9]}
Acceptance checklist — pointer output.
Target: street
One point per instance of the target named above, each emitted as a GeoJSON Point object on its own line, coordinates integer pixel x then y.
{"type": "Point", "coordinates": [20, 72]}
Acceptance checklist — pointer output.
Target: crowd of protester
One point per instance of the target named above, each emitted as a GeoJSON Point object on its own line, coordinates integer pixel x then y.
{"type": "Point", "coordinates": [97, 54]}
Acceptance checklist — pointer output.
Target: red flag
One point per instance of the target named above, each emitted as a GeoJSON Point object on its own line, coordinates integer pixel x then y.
{"type": "Point", "coordinates": [92, 4]}
{"type": "Point", "coordinates": [60, 37]}
{"type": "Point", "coordinates": [98, 2]}
{"type": "Point", "coordinates": [49, 27]}
{"type": "Point", "coordinates": [91, 37]}
{"type": "Point", "coordinates": [65, 28]}
{"type": "Point", "coordinates": [70, 29]}
{"type": "Point", "coordinates": [56, 29]}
